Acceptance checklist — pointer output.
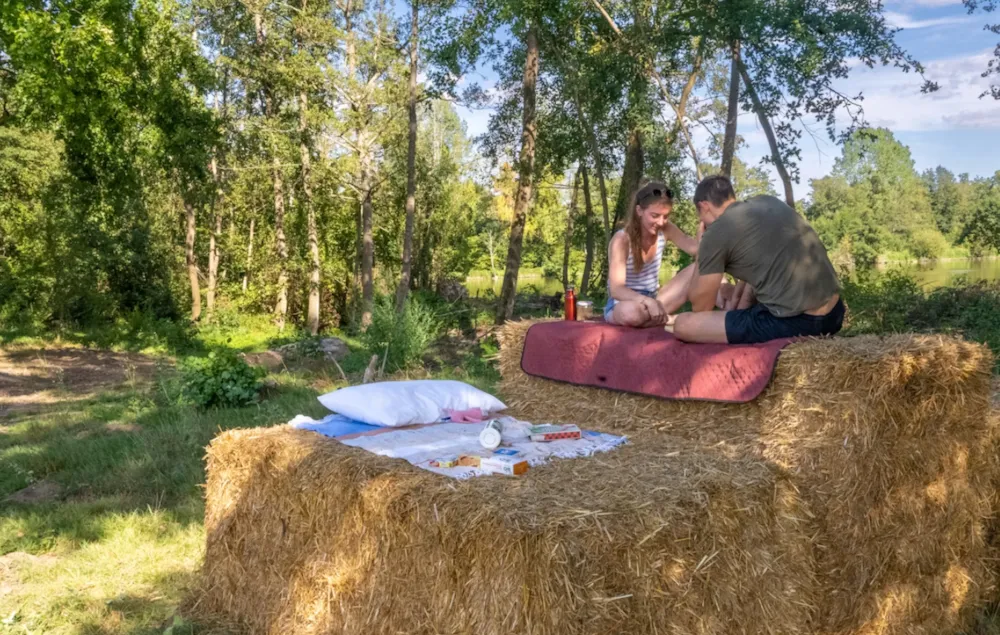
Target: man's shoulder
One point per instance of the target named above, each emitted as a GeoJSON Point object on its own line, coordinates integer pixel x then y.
{"type": "Point", "coordinates": [764, 201]}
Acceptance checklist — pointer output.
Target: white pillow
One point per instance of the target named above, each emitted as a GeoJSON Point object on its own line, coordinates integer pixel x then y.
{"type": "Point", "coordinates": [401, 403]}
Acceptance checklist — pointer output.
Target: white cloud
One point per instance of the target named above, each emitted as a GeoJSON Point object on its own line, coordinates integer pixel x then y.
{"type": "Point", "coordinates": [924, 3]}
{"type": "Point", "coordinates": [903, 21]}
{"type": "Point", "coordinates": [894, 99]}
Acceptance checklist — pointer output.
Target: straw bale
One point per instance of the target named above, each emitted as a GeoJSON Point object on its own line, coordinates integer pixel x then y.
{"type": "Point", "coordinates": [308, 536]}
{"type": "Point", "coordinates": [888, 440]}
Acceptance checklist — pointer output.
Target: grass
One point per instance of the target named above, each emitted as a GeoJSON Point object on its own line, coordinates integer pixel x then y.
{"type": "Point", "coordinates": [123, 543]}
{"type": "Point", "coordinates": [119, 549]}
{"type": "Point", "coordinates": [894, 303]}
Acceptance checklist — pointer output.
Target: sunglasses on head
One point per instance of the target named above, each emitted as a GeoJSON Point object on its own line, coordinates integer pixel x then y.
{"type": "Point", "coordinates": [656, 192]}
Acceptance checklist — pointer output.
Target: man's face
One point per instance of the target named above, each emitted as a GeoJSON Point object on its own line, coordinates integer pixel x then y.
{"type": "Point", "coordinates": [705, 214]}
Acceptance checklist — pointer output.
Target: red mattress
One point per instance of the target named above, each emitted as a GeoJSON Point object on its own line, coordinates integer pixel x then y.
{"type": "Point", "coordinates": [648, 361]}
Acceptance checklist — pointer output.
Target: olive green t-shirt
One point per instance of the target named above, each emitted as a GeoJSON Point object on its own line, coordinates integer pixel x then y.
{"type": "Point", "coordinates": [767, 243]}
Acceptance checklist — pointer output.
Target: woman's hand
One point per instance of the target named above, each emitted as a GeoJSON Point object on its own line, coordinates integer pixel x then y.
{"type": "Point", "coordinates": [656, 313]}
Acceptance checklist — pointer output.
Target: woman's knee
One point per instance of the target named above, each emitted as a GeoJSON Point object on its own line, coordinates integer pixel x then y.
{"type": "Point", "coordinates": [629, 314]}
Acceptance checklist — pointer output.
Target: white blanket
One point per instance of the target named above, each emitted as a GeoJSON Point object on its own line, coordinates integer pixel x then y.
{"type": "Point", "coordinates": [422, 444]}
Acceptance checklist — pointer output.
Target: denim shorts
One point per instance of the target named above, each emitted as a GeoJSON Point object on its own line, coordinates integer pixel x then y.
{"type": "Point", "coordinates": [610, 306]}
{"type": "Point", "coordinates": [757, 324]}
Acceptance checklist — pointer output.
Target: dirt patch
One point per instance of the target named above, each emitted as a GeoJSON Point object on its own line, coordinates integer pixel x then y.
{"type": "Point", "coordinates": [122, 427]}
{"type": "Point", "coordinates": [12, 563]}
{"type": "Point", "coordinates": [40, 492]}
{"type": "Point", "coordinates": [32, 378]}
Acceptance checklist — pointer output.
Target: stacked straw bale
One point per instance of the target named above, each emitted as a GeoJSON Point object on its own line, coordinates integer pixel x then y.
{"type": "Point", "coordinates": [309, 536]}
{"type": "Point", "coordinates": [889, 442]}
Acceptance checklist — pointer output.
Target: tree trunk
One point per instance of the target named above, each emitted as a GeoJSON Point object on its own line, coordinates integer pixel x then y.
{"type": "Point", "coordinates": [281, 304]}
{"type": "Point", "coordinates": [681, 109]}
{"type": "Point", "coordinates": [526, 169]}
{"type": "Point", "coordinates": [765, 123]}
{"type": "Point", "coordinates": [570, 215]}
{"type": "Point", "coordinates": [411, 169]}
{"type": "Point", "coordinates": [588, 261]}
{"type": "Point", "coordinates": [631, 173]}
{"type": "Point", "coordinates": [213, 243]}
{"type": "Point", "coordinates": [729, 142]}
{"type": "Point", "coordinates": [246, 274]}
{"type": "Point", "coordinates": [192, 263]}
{"type": "Point", "coordinates": [305, 153]}
{"type": "Point", "coordinates": [281, 248]}
{"type": "Point", "coordinates": [595, 151]}
{"type": "Point", "coordinates": [367, 245]}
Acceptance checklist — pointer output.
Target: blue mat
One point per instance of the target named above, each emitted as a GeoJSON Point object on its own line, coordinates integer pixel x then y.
{"type": "Point", "coordinates": [336, 426]}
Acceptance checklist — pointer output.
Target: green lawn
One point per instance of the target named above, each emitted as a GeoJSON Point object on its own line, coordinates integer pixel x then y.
{"type": "Point", "coordinates": [117, 548]}
{"type": "Point", "coordinates": [121, 545]}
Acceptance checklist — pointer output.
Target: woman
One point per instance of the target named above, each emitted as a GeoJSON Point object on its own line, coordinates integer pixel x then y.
{"type": "Point", "coordinates": [634, 295]}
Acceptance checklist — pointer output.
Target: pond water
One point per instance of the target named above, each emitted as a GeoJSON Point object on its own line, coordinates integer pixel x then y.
{"type": "Point", "coordinates": [930, 276]}
{"type": "Point", "coordinates": [479, 286]}
{"type": "Point", "coordinates": [944, 272]}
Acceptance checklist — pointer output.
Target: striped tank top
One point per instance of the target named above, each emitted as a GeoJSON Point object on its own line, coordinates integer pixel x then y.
{"type": "Point", "coordinates": [647, 278]}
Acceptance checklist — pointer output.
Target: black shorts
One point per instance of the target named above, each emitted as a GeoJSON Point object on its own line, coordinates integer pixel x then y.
{"type": "Point", "coordinates": [757, 324]}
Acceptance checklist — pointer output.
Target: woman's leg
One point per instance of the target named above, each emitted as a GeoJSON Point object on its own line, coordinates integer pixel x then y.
{"type": "Point", "coordinates": [629, 313]}
{"type": "Point", "coordinates": [725, 299]}
{"type": "Point", "coordinates": [744, 296]}
{"type": "Point", "coordinates": [674, 293]}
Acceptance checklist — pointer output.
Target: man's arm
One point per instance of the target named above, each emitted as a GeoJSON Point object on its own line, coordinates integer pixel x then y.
{"type": "Point", "coordinates": [703, 291]}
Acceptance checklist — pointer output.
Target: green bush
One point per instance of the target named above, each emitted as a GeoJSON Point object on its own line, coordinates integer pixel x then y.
{"type": "Point", "coordinates": [928, 243]}
{"type": "Point", "coordinates": [969, 309]}
{"type": "Point", "coordinates": [894, 303]}
{"type": "Point", "coordinates": [881, 302]}
{"type": "Point", "coordinates": [222, 379]}
{"type": "Point", "coordinates": [400, 338]}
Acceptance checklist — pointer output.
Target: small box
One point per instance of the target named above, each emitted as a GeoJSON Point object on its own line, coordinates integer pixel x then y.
{"type": "Point", "coordinates": [506, 452]}
{"type": "Point", "coordinates": [469, 460]}
{"type": "Point", "coordinates": [553, 432]}
{"type": "Point", "coordinates": [503, 464]}
{"type": "Point", "coordinates": [448, 461]}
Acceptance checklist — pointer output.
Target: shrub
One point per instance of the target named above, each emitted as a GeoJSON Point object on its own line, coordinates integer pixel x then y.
{"type": "Point", "coordinates": [402, 337]}
{"type": "Point", "coordinates": [895, 303]}
{"type": "Point", "coordinates": [881, 303]}
{"type": "Point", "coordinates": [928, 243]}
{"type": "Point", "coordinates": [222, 379]}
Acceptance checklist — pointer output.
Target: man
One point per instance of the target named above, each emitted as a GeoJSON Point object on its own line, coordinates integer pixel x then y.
{"type": "Point", "coordinates": [766, 243]}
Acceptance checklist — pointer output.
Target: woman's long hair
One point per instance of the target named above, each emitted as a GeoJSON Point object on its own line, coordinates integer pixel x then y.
{"type": "Point", "coordinates": [650, 193]}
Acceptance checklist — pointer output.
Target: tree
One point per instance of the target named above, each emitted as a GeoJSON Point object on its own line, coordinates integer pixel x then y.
{"type": "Point", "coordinates": [526, 173]}
{"type": "Point", "coordinates": [983, 230]}
{"type": "Point", "coordinates": [993, 65]}
{"type": "Point", "coordinates": [570, 217]}
{"type": "Point", "coordinates": [411, 163]}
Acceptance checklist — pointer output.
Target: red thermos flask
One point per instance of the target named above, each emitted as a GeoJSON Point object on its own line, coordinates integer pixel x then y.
{"type": "Point", "coordinates": [570, 311]}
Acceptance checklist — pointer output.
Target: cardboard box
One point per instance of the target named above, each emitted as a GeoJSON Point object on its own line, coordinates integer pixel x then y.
{"type": "Point", "coordinates": [448, 461]}
{"type": "Point", "coordinates": [503, 464]}
{"type": "Point", "coordinates": [469, 460]}
{"type": "Point", "coordinates": [553, 432]}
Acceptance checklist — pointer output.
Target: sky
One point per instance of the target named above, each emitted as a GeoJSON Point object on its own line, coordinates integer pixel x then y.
{"type": "Point", "coordinates": [952, 127]}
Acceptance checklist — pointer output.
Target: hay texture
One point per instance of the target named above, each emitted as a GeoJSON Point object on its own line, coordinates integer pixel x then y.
{"type": "Point", "coordinates": [889, 443]}
{"type": "Point", "coordinates": [309, 536]}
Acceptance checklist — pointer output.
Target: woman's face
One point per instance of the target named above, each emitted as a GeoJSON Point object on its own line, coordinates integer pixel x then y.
{"type": "Point", "coordinates": [654, 218]}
